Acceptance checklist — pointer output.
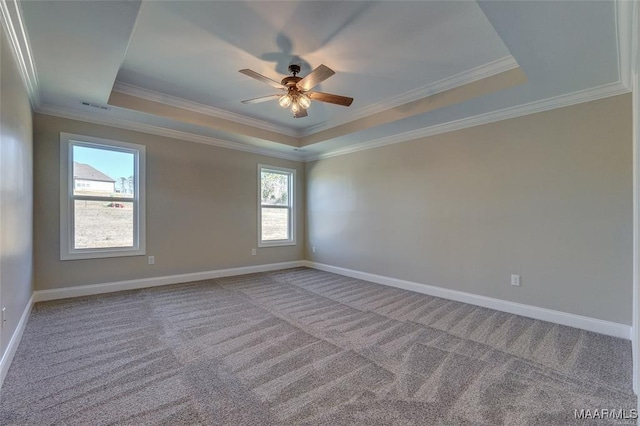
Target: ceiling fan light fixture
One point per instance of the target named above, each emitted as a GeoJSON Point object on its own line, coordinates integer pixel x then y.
{"type": "Point", "coordinates": [298, 90]}
{"type": "Point", "coordinates": [304, 101]}
{"type": "Point", "coordinates": [285, 101]}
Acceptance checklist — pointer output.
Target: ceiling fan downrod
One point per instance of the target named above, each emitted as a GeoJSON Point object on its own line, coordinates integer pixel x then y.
{"type": "Point", "coordinates": [294, 69]}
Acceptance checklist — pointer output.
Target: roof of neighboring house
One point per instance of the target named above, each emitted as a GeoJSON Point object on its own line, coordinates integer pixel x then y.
{"type": "Point", "coordinates": [86, 172]}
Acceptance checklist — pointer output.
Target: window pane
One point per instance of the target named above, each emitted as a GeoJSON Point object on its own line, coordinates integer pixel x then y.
{"type": "Point", "coordinates": [275, 188]}
{"type": "Point", "coordinates": [275, 224]}
{"type": "Point", "coordinates": [99, 224]}
{"type": "Point", "coordinates": [102, 172]}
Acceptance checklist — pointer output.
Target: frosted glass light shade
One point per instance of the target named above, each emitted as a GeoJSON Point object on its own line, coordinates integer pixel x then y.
{"type": "Point", "coordinates": [285, 101]}
{"type": "Point", "coordinates": [304, 101]}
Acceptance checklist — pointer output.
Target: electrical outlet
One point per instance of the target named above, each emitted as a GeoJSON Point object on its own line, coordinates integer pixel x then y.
{"type": "Point", "coordinates": [152, 260]}
{"type": "Point", "coordinates": [253, 252]}
{"type": "Point", "coordinates": [313, 249]}
{"type": "Point", "coordinates": [515, 280]}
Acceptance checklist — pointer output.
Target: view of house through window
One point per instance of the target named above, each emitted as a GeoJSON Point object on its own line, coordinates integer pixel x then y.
{"type": "Point", "coordinates": [102, 211]}
{"type": "Point", "coordinates": [276, 206]}
{"type": "Point", "coordinates": [98, 173]}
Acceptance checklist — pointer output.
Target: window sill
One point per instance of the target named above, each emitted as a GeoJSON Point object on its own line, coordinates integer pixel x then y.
{"type": "Point", "coordinates": [264, 244]}
{"type": "Point", "coordinates": [99, 254]}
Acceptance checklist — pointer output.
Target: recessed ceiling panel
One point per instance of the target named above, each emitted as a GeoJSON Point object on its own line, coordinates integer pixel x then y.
{"type": "Point", "coordinates": [379, 50]}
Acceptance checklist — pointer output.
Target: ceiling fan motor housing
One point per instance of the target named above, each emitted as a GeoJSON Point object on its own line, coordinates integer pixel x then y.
{"type": "Point", "coordinates": [290, 82]}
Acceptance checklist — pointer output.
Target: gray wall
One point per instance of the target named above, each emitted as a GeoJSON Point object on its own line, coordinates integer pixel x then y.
{"type": "Point", "coordinates": [201, 209]}
{"type": "Point", "coordinates": [547, 196]}
{"type": "Point", "coordinates": [16, 193]}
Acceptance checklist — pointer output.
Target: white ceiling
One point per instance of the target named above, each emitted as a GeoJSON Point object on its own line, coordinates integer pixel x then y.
{"type": "Point", "coordinates": [386, 54]}
{"type": "Point", "coordinates": [193, 50]}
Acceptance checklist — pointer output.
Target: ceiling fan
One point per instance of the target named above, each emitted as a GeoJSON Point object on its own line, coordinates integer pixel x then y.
{"type": "Point", "coordinates": [298, 95]}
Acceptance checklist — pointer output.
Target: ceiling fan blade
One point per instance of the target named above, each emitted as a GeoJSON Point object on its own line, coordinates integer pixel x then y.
{"type": "Point", "coordinates": [262, 78]}
{"type": "Point", "coordinates": [314, 78]}
{"type": "Point", "coordinates": [261, 99]}
{"type": "Point", "coordinates": [330, 98]}
{"type": "Point", "coordinates": [301, 113]}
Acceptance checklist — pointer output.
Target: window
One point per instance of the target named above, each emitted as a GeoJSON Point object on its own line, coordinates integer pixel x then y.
{"type": "Point", "coordinates": [102, 198]}
{"type": "Point", "coordinates": [276, 224]}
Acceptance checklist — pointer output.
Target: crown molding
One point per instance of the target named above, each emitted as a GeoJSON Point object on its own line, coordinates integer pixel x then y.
{"type": "Point", "coordinates": [150, 95]}
{"type": "Point", "coordinates": [11, 16]}
{"type": "Point", "coordinates": [586, 95]}
{"type": "Point", "coordinates": [469, 76]}
{"type": "Point", "coordinates": [635, 40]}
{"type": "Point", "coordinates": [105, 120]}
{"type": "Point", "coordinates": [626, 45]}
{"type": "Point", "coordinates": [478, 73]}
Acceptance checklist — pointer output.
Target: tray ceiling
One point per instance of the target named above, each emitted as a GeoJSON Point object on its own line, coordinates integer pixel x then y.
{"type": "Point", "coordinates": [171, 67]}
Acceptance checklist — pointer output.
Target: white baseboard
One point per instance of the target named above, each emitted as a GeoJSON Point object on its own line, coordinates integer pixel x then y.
{"type": "Point", "coordinates": [87, 290]}
{"type": "Point", "coordinates": [558, 317]}
{"type": "Point", "coordinates": [7, 357]}
{"type": "Point", "coordinates": [577, 321]}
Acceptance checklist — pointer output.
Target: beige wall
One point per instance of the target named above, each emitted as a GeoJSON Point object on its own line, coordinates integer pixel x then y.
{"type": "Point", "coordinates": [201, 209]}
{"type": "Point", "coordinates": [16, 193]}
{"type": "Point", "coordinates": [547, 196]}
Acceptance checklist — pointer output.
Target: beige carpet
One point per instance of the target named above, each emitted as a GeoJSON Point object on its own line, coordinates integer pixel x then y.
{"type": "Point", "coordinates": [301, 346]}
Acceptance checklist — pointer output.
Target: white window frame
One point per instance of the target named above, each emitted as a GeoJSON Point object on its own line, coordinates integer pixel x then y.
{"type": "Point", "coordinates": [67, 198]}
{"type": "Point", "coordinates": [291, 207]}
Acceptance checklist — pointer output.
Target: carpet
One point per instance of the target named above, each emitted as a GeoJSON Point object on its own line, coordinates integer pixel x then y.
{"type": "Point", "coordinates": [305, 347]}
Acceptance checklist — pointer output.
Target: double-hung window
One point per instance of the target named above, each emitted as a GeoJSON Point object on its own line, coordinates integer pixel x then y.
{"type": "Point", "coordinates": [276, 215]}
{"type": "Point", "coordinates": [102, 198]}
